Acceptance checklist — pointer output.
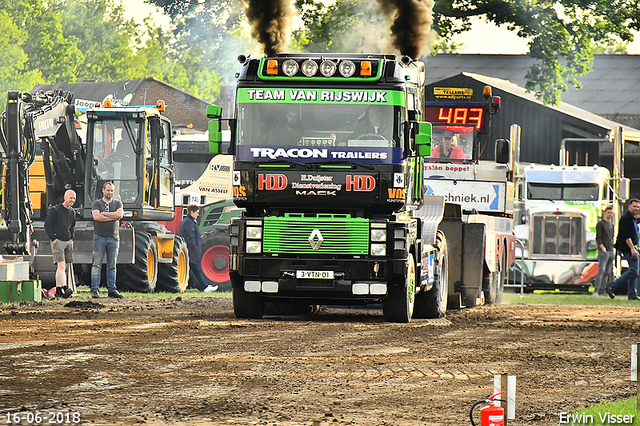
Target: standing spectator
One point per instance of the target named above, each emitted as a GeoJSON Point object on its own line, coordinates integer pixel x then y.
{"type": "Point", "coordinates": [106, 213]}
{"type": "Point", "coordinates": [59, 225]}
{"type": "Point", "coordinates": [626, 244]}
{"type": "Point", "coordinates": [189, 231]}
{"type": "Point", "coordinates": [604, 238]}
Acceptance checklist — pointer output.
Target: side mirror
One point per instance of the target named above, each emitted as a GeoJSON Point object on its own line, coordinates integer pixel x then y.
{"type": "Point", "coordinates": [215, 134]}
{"type": "Point", "coordinates": [423, 139]}
{"type": "Point", "coordinates": [503, 151]}
{"type": "Point", "coordinates": [624, 190]}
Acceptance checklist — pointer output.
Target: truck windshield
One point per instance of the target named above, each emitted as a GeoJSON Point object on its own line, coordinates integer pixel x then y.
{"type": "Point", "coordinates": [319, 125]}
{"type": "Point", "coordinates": [565, 192]}
{"type": "Point", "coordinates": [114, 156]}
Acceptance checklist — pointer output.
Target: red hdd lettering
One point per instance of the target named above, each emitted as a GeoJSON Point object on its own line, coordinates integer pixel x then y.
{"type": "Point", "coordinates": [272, 182]}
{"type": "Point", "coordinates": [360, 183]}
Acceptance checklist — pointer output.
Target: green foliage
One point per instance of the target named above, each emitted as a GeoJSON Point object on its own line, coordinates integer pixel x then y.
{"type": "Point", "coordinates": [74, 40]}
{"type": "Point", "coordinates": [47, 50]}
{"type": "Point", "coordinates": [14, 74]}
{"type": "Point", "coordinates": [565, 298]}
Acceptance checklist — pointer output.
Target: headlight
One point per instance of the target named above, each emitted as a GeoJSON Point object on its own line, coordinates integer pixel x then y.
{"type": "Point", "coordinates": [347, 68]}
{"type": "Point", "coordinates": [254, 233]}
{"type": "Point", "coordinates": [309, 68]}
{"type": "Point", "coordinates": [254, 247]}
{"type": "Point", "coordinates": [378, 235]}
{"type": "Point", "coordinates": [290, 67]}
{"type": "Point", "coordinates": [328, 68]}
{"type": "Point", "coordinates": [378, 249]}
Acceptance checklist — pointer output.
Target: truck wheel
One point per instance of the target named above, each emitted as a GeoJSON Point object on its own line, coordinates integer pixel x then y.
{"type": "Point", "coordinates": [141, 276]}
{"type": "Point", "coordinates": [433, 303]}
{"type": "Point", "coordinates": [398, 305]}
{"type": "Point", "coordinates": [174, 277]}
{"type": "Point", "coordinates": [215, 259]}
{"type": "Point", "coordinates": [246, 305]}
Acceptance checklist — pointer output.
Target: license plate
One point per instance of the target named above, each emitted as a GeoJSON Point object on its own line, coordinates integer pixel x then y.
{"type": "Point", "coordinates": [315, 275]}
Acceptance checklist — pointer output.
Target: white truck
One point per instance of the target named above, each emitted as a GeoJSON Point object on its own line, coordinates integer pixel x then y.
{"type": "Point", "coordinates": [556, 225]}
{"type": "Point", "coordinates": [479, 197]}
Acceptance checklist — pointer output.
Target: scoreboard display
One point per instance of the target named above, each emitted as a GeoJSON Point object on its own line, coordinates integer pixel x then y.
{"type": "Point", "coordinates": [439, 112]}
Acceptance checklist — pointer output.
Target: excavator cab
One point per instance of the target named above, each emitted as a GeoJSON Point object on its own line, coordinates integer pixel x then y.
{"type": "Point", "coordinates": [131, 147]}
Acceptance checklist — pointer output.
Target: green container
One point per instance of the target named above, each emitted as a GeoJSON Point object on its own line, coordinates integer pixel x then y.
{"type": "Point", "coordinates": [20, 291]}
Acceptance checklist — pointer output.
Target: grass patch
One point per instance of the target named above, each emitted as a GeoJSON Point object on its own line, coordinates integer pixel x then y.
{"type": "Point", "coordinates": [566, 298]}
{"type": "Point", "coordinates": [598, 414]}
{"type": "Point", "coordinates": [84, 292]}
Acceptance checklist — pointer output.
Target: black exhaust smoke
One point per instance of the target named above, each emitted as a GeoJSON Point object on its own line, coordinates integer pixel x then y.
{"type": "Point", "coordinates": [270, 21]}
{"type": "Point", "coordinates": [411, 24]}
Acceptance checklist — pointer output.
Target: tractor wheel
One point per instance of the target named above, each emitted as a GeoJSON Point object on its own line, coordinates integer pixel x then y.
{"type": "Point", "coordinates": [174, 277]}
{"type": "Point", "coordinates": [433, 303]}
{"type": "Point", "coordinates": [215, 259]}
{"type": "Point", "coordinates": [141, 276]}
{"type": "Point", "coordinates": [398, 305]}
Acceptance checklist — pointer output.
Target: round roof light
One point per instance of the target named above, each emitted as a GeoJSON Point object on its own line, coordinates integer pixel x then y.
{"type": "Point", "coordinates": [347, 68]}
{"type": "Point", "coordinates": [289, 67]}
{"type": "Point", "coordinates": [309, 68]}
{"type": "Point", "coordinates": [328, 68]}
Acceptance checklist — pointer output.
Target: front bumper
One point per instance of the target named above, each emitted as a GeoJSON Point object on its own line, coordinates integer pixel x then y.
{"type": "Point", "coordinates": [360, 279]}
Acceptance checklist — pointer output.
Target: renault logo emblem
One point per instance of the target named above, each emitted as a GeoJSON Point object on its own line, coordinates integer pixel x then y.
{"type": "Point", "coordinates": [315, 245]}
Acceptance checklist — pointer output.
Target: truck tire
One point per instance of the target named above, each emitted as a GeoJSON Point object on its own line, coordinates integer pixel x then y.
{"type": "Point", "coordinates": [398, 305]}
{"type": "Point", "coordinates": [141, 276]}
{"type": "Point", "coordinates": [215, 259]}
{"type": "Point", "coordinates": [174, 277]}
{"type": "Point", "coordinates": [247, 305]}
{"type": "Point", "coordinates": [433, 303]}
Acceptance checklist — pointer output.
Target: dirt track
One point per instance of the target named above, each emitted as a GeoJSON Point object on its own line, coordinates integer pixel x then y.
{"type": "Point", "coordinates": [189, 361]}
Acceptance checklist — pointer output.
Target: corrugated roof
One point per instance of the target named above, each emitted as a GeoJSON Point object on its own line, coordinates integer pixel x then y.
{"type": "Point", "coordinates": [96, 90]}
{"type": "Point", "coordinates": [630, 134]}
{"type": "Point", "coordinates": [613, 87]}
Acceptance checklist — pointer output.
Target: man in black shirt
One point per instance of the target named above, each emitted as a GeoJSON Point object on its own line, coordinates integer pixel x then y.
{"type": "Point", "coordinates": [106, 213]}
{"type": "Point", "coordinates": [59, 225]}
{"type": "Point", "coordinates": [626, 245]}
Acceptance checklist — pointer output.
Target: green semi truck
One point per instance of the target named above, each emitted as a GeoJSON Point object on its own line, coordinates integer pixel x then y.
{"type": "Point", "coordinates": [329, 156]}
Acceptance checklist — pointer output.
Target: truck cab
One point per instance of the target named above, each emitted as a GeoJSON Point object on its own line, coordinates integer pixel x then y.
{"type": "Point", "coordinates": [556, 225]}
{"type": "Point", "coordinates": [327, 164]}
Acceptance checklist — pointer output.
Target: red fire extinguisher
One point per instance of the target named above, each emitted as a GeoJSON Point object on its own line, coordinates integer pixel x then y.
{"type": "Point", "coordinates": [490, 415]}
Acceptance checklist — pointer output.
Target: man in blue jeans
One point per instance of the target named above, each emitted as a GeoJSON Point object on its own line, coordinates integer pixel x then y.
{"type": "Point", "coordinates": [626, 245]}
{"type": "Point", "coordinates": [106, 213]}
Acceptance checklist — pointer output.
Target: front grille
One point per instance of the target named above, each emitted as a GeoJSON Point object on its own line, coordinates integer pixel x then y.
{"type": "Point", "coordinates": [558, 235]}
{"type": "Point", "coordinates": [341, 235]}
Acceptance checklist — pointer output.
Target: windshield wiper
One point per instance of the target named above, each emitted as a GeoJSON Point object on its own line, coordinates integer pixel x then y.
{"type": "Point", "coordinates": [354, 163]}
{"type": "Point", "coordinates": [294, 163]}
{"type": "Point", "coordinates": [132, 138]}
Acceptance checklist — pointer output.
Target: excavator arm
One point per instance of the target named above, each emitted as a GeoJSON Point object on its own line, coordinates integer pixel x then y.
{"type": "Point", "coordinates": [47, 118]}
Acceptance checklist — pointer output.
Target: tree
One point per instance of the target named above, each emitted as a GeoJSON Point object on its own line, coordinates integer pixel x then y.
{"type": "Point", "coordinates": [14, 74]}
{"type": "Point", "coordinates": [562, 34]}
{"type": "Point", "coordinates": [45, 45]}
{"type": "Point", "coordinates": [207, 38]}
{"type": "Point", "coordinates": [108, 41]}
